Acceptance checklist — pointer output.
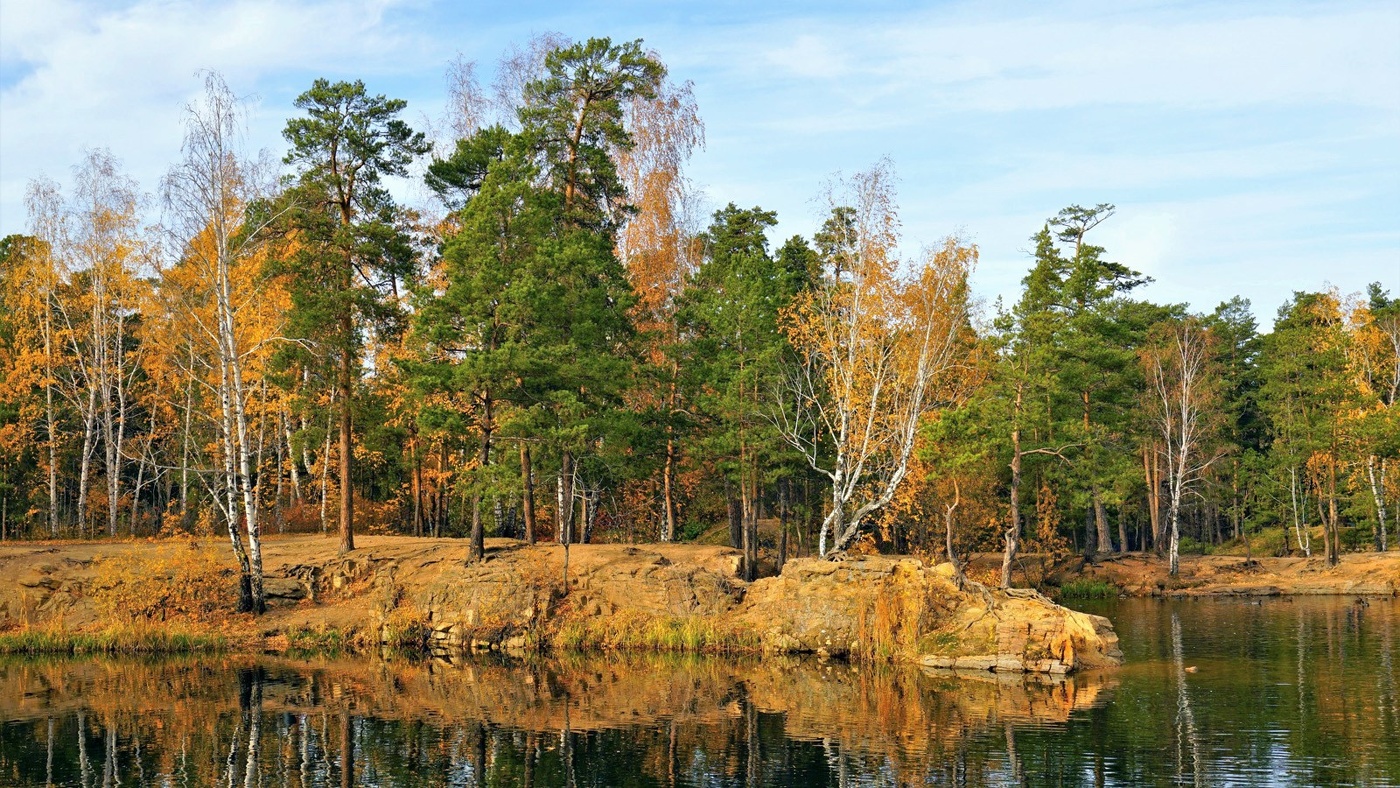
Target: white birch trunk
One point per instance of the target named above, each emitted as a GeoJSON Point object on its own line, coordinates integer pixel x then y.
{"type": "Point", "coordinates": [1377, 482]}
{"type": "Point", "coordinates": [1300, 512]}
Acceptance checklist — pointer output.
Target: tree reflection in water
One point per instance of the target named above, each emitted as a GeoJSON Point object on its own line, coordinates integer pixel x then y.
{"type": "Point", "coordinates": [666, 721]}
{"type": "Point", "coordinates": [1185, 720]}
{"type": "Point", "coordinates": [572, 721]}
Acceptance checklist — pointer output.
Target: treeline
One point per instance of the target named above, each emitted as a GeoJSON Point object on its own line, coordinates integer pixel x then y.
{"type": "Point", "coordinates": [556, 346]}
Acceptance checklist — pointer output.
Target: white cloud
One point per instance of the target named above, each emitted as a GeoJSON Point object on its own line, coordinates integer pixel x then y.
{"type": "Point", "coordinates": [119, 77]}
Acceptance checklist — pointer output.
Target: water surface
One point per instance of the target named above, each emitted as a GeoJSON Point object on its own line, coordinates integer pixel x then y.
{"type": "Point", "coordinates": [1214, 692]}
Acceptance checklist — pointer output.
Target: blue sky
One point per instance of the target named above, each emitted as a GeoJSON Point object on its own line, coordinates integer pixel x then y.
{"type": "Point", "coordinates": [1251, 148]}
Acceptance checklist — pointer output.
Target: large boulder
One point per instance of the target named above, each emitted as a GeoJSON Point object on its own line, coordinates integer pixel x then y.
{"type": "Point", "coordinates": [899, 608]}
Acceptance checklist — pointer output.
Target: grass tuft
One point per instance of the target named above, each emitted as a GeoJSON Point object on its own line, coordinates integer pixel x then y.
{"type": "Point", "coordinates": [1087, 588]}
{"type": "Point", "coordinates": [306, 643]}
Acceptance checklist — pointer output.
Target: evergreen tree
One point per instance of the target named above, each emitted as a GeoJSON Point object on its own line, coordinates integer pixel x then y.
{"type": "Point", "coordinates": [349, 252]}
{"type": "Point", "coordinates": [735, 351]}
{"type": "Point", "coordinates": [1304, 387]}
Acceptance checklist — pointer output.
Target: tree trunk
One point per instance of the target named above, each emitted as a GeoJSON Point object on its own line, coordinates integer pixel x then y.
{"type": "Point", "coordinates": [416, 457]}
{"type": "Point", "coordinates": [590, 512]}
{"type": "Point", "coordinates": [440, 515]}
{"type": "Point", "coordinates": [1012, 535]}
{"type": "Point", "coordinates": [1334, 546]}
{"type": "Point", "coordinates": [281, 475]}
{"type": "Point", "coordinates": [52, 423]}
{"type": "Point", "coordinates": [1300, 511]}
{"type": "Point", "coordinates": [565, 506]}
{"type": "Point", "coordinates": [1175, 537]}
{"type": "Point", "coordinates": [736, 517]}
{"type": "Point", "coordinates": [784, 488]}
{"type": "Point", "coordinates": [85, 463]}
{"type": "Point", "coordinates": [952, 553]}
{"type": "Point", "coordinates": [478, 546]}
{"type": "Point", "coordinates": [1104, 543]}
{"type": "Point", "coordinates": [1090, 548]}
{"type": "Point", "coordinates": [668, 494]}
{"type": "Point", "coordinates": [1378, 497]}
{"type": "Point", "coordinates": [291, 457]}
{"type": "Point", "coordinates": [347, 447]}
{"type": "Point", "coordinates": [750, 542]}
{"type": "Point", "coordinates": [136, 490]}
{"type": "Point", "coordinates": [326, 466]}
{"type": "Point", "coordinates": [185, 449]}
{"type": "Point", "coordinates": [527, 484]}
{"type": "Point", "coordinates": [1152, 472]}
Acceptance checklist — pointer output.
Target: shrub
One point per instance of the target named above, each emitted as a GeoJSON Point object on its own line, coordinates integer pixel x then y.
{"type": "Point", "coordinates": [1189, 545]}
{"type": "Point", "coordinates": [1356, 537]}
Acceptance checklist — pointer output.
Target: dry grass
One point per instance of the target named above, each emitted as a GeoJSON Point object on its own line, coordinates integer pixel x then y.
{"type": "Point", "coordinates": [636, 632]}
{"type": "Point", "coordinates": [128, 639]}
{"type": "Point", "coordinates": [407, 630]}
{"type": "Point", "coordinates": [890, 626]}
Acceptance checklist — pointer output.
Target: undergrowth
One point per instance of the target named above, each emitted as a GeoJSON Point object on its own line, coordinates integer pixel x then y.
{"type": "Point", "coordinates": [191, 583]}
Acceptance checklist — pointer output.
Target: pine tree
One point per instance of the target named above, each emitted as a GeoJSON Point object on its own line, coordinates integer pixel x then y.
{"type": "Point", "coordinates": [349, 245]}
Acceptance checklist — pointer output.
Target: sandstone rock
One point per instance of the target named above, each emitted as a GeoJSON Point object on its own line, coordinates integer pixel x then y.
{"type": "Point", "coordinates": [286, 589]}
{"type": "Point", "coordinates": [885, 606]}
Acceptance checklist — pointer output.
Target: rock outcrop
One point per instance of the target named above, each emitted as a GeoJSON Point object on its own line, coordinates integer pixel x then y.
{"type": "Point", "coordinates": [902, 609]}
{"type": "Point", "coordinates": [424, 594]}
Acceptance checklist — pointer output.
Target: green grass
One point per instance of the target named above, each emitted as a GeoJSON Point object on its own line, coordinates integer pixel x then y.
{"type": "Point", "coordinates": [306, 643]}
{"type": "Point", "coordinates": [1087, 588]}
{"type": "Point", "coordinates": [116, 640]}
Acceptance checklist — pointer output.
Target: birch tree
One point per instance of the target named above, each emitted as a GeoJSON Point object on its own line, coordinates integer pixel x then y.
{"type": "Point", "coordinates": [873, 344]}
{"type": "Point", "coordinates": [206, 195]}
{"type": "Point", "coordinates": [1375, 351]}
{"type": "Point", "coordinates": [1182, 394]}
{"type": "Point", "coordinates": [41, 288]}
{"type": "Point", "coordinates": [99, 238]}
{"type": "Point", "coordinates": [658, 246]}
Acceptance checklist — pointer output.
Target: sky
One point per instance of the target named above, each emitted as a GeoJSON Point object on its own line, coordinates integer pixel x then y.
{"type": "Point", "coordinates": [1251, 149]}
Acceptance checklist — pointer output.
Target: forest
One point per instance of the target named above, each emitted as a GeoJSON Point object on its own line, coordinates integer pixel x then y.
{"type": "Point", "coordinates": [559, 342]}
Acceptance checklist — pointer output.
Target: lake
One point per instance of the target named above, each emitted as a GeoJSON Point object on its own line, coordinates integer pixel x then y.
{"type": "Point", "coordinates": [1213, 692]}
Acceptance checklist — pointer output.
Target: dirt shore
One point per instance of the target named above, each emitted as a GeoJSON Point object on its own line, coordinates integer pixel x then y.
{"type": "Point", "coordinates": [1138, 574]}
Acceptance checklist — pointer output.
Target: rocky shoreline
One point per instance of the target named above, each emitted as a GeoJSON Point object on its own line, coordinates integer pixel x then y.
{"type": "Point", "coordinates": [421, 593]}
